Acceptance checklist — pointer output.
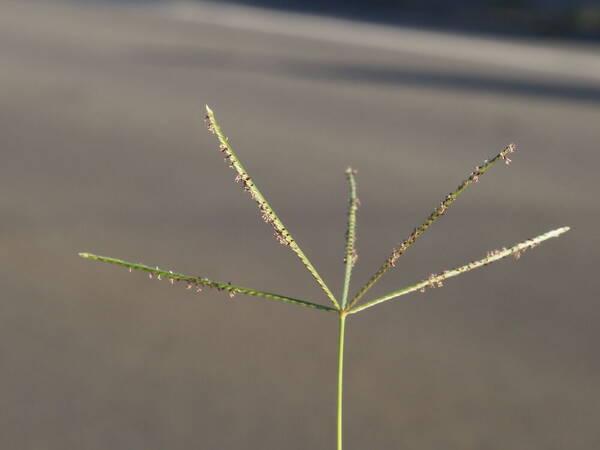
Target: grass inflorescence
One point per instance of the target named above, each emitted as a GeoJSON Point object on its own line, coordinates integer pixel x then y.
{"type": "Point", "coordinates": [344, 306]}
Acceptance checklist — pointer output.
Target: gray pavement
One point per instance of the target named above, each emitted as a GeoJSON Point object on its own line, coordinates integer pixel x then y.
{"type": "Point", "coordinates": [104, 150]}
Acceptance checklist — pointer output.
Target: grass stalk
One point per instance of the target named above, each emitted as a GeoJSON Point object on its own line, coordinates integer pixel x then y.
{"type": "Point", "coordinates": [344, 307]}
{"type": "Point", "coordinates": [340, 377]}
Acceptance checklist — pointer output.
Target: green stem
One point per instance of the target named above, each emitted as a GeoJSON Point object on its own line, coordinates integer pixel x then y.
{"type": "Point", "coordinates": [340, 379]}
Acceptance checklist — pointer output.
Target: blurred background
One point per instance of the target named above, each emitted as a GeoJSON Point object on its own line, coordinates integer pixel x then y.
{"type": "Point", "coordinates": [104, 149]}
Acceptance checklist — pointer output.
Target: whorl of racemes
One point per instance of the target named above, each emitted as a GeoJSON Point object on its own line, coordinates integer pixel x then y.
{"type": "Point", "coordinates": [284, 237]}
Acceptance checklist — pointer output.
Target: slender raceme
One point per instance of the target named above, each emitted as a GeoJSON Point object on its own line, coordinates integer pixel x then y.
{"type": "Point", "coordinates": [436, 280]}
{"type": "Point", "coordinates": [199, 282]}
{"type": "Point", "coordinates": [344, 307]}
{"type": "Point", "coordinates": [351, 256]}
{"type": "Point", "coordinates": [282, 235]}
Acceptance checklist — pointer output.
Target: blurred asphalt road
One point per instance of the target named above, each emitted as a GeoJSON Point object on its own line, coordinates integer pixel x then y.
{"type": "Point", "coordinates": [104, 150]}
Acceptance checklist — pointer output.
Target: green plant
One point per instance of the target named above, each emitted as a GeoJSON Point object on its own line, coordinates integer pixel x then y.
{"type": "Point", "coordinates": [345, 306]}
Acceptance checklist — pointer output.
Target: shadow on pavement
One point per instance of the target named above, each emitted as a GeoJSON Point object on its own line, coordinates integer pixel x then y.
{"type": "Point", "coordinates": [383, 75]}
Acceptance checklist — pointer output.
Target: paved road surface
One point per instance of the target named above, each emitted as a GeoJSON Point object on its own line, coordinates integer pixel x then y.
{"type": "Point", "coordinates": [104, 150]}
